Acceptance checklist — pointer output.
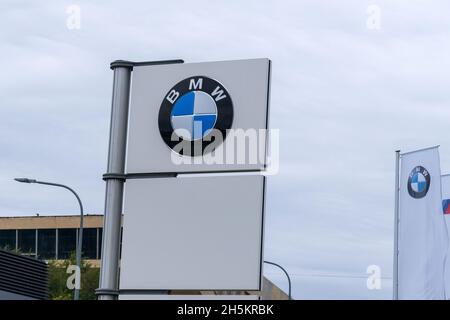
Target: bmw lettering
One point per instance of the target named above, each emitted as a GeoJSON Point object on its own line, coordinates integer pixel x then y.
{"type": "Point", "coordinates": [192, 112]}
{"type": "Point", "coordinates": [418, 182]}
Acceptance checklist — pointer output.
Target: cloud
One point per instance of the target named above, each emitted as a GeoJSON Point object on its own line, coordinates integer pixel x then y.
{"type": "Point", "coordinates": [344, 98]}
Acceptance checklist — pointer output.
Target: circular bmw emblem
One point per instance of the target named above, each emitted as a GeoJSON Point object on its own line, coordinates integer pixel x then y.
{"type": "Point", "coordinates": [418, 182]}
{"type": "Point", "coordinates": [190, 113]}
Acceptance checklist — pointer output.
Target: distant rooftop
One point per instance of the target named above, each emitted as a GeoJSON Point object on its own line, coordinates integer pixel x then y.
{"type": "Point", "coordinates": [50, 222]}
{"type": "Point", "coordinates": [39, 215]}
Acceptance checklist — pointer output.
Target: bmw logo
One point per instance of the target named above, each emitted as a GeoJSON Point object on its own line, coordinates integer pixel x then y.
{"type": "Point", "coordinates": [191, 111]}
{"type": "Point", "coordinates": [418, 182]}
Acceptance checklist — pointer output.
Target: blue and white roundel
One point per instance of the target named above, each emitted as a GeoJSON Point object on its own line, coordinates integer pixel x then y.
{"type": "Point", "coordinates": [194, 115]}
{"type": "Point", "coordinates": [418, 182]}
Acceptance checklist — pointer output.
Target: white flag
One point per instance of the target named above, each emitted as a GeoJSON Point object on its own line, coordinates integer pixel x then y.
{"type": "Point", "coordinates": [423, 239]}
{"type": "Point", "coordinates": [445, 180]}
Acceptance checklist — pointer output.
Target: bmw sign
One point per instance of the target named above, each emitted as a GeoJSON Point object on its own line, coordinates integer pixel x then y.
{"type": "Point", "coordinates": [185, 117]}
{"type": "Point", "coordinates": [418, 182]}
{"type": "Point", "coordinates": [191, 110]}
{"type": "Point", "coordinates": [187, 121]}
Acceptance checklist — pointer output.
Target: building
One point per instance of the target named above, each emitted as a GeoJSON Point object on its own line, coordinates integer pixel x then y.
{"type": "Point", "coordinates": [22, 278]}
{"type": "Point", "coordinates": [55, 237]}
{"type": "Point", "coordinates": [52, 237]}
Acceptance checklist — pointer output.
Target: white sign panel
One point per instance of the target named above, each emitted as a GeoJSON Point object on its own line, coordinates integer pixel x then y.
{"type": "Point", "coordinates": [193, 233]}
{"type": "Point", "coordinates": [197, 117]}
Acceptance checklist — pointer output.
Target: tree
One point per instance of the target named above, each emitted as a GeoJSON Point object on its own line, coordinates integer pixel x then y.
{"type": "Point", "coordinates": [57, 280]}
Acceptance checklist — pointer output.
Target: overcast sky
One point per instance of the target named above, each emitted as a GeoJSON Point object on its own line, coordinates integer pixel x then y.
{"type": "Point", "coordinates": [345, 95]}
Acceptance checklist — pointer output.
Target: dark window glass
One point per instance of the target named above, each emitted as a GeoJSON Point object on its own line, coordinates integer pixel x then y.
{"type": "Point", "coordinates": [67, 242]}
{"type": "Point", "coordinates": [27, 241]}
{"type": "Point", "coordinates": [8, 239]}
{"type": "Point", "coordinates": [90, 243]}
{"type": "Point", "coordinates": [100, 238]}
{"type": "Point", "coordinates": [47, 243]}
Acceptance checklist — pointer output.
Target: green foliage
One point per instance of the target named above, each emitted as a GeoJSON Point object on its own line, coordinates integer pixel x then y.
{"type": "Point", "coordinates": [58, 279]}
{"type": "Point", "coordinates": [10, 249]}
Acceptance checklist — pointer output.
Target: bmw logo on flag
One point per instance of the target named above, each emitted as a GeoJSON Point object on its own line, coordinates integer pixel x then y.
{"type": "Point", "coordinates": [191, 110]}
{"type": "Point", "coordinates": [418, 182]}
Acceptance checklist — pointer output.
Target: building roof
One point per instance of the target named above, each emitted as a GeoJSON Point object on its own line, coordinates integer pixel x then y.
{"type": "Point", "coordinates": [50, 222]}
{"type": "Point", "coordinates": [38, 215]}
{"type": "Point", "coordinates": [22, 277]}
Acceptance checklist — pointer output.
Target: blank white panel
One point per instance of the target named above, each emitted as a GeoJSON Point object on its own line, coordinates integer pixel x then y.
{"type": "Point", "coordinates": [193, 233]}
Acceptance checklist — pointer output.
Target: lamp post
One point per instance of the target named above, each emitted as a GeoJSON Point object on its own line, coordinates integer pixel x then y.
{"type": "Point", "coordinates": [285, 272]}
{"type": "Point", "coordinates": [80, 235]}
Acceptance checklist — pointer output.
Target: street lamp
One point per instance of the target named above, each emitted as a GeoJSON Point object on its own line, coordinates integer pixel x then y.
{"type": "Point", "coordinates": [80, 235]}
{"type": "Point", "coordinates": [285, 272]}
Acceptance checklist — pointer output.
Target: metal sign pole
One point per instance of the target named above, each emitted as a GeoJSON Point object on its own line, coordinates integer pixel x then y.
{"type": "Point", "coordinates": [109, 272]}
{"type": "Point", "coordinates": [396, 221]}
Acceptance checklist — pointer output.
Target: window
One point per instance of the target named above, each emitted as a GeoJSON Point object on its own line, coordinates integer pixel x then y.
{"type": "Point", "coordinates": [100, 237]}
{"type": "Point", "coordinates": [47, 243]}
{"type": "Point", "coordinates": [27, 241]}
{"type": "Point", "coordinates": [8, 239]}
{"type": "Point", "coordinates": [67, 242]}
{"type": "Point", "coordinates": [90, 243]}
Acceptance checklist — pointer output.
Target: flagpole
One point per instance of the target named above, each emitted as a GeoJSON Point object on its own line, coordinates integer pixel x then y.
{"type": "Point", "coordinates": [396, 221]}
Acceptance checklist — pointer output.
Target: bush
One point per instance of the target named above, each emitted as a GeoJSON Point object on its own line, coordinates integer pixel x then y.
{"type": "Point", "coordinates": [57, 279]}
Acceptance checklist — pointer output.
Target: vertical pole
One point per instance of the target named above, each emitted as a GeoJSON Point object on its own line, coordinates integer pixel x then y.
{"type": "Point", "coordinates": [109, 273]}
{"type": "Point", "coordinates": [36, 244]}
{"type": "Point", "coordinates": [56, 244]}
{"type": "Point", "coordinates": [396, 221]}
{"type": "Point", "coordinates": [79, 243]}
